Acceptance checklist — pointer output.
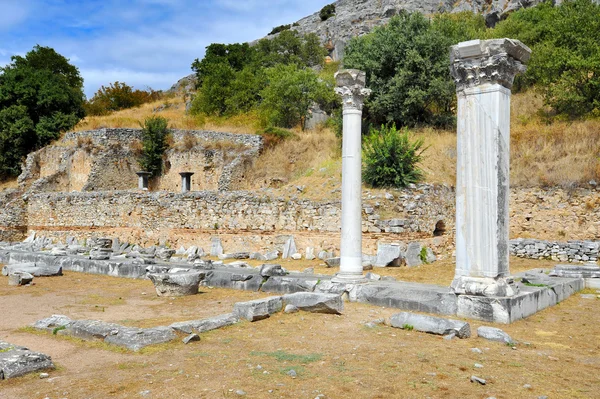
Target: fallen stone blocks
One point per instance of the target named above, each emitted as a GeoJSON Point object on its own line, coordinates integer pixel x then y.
{"type": "Point", "coordinates": [131, 338]}
{"type": "Point", "coordinates": [315, 302]}
{"type": "Point", "coordinates": [431, 325]}
{"type": "Point", "coordinates": [35, 269]}
{"type": "Point", "coordinates": [204, 325]}
{"type": "Point", "coordinates": [258, 309]}
{"type": "Point", "coordinates": [494, 334]}
{"type": "Point", "coordinates": [16, 361]}
{"type": "Point", "coordinates": [20, 278]}
{"type": "Point", "coordinates": [177, 284]}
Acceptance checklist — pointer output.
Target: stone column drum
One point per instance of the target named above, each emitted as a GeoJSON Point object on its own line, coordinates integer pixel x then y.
{"type": "Point", "coordinates": [351, 86]}
{"type": "Point", "coordinates": [484, 72]}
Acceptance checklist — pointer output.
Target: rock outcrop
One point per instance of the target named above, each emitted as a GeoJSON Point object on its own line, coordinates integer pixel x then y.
{"type": "Point", "coordinates": [357, 17]}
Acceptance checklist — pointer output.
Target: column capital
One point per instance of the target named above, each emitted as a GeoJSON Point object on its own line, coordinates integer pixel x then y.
{"type": "Point", "coordinates": [351, 87]}
{"type": "Point", "coordinates": [495, 61]}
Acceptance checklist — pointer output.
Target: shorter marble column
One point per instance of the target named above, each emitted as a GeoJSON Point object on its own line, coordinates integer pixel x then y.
{"type": "Point", "coordinates": [351, 86]}
{"type": "Point", "coordinates": [483, 71]}
{"type": "Point", "coordinates": [186, 181]}
{"type": "Point", "coordinates": [143, 180]}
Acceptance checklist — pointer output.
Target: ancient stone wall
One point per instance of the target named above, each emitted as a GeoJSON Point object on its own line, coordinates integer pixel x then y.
{"type": "Point", "coordinates": [107, 159]}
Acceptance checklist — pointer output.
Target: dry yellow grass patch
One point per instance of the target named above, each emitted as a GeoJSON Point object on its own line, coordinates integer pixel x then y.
{"type": "Point", "coordinates": [7, 184]}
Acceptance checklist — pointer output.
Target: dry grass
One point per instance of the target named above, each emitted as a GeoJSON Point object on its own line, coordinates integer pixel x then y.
{"type": "Point", "coordinates": [309, 158]}
{"type": "Point", "coordinates": [175, 113]}
{"type": "Point", "coordinates": [561, 153]}
{"type": "Point", "coordinates": [336, 356]}
{"type": "Point", "coordinates": [8, 184]}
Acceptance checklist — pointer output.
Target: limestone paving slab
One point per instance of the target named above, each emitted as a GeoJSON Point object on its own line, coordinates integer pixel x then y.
{"type": "Point", "coordinates": [16, 361]}
{"type": "Point", "coordinates": [208, 324]}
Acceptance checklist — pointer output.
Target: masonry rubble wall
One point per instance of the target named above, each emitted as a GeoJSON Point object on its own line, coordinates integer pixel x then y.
{"type": "Point", "coordinates": [106, 159]}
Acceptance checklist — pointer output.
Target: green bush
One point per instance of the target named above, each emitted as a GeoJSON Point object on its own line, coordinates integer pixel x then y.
{"type": "Point", "coordinates": [288, 95]}
{"type": "Point", "coordinates": [41, 95]}
{"type": "Point", "coordinates": [391, 158]}
{"type": "Point", "coordinates": [327, 12]}
{"type": "Point", "coordinates": [407, 67]}
{"type": "Point", "coordinates": [118, 96]}
{"type": "Point", "coordinates": [155, 132]}
{"type": "Point", "coordinates": [279, 29]}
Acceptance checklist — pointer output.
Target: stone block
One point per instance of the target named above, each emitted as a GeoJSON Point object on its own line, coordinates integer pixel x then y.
{"type": "Point", "coordinates": [408, 296]}
{"type": "Point", "coordinates": [176, 284]}
{"type": "Point", "coordinates": [332, 262]}
{"type": "Point", "coordinates": [164, 254]}
{"type": "Point", "coordinates": [494, 334]}
{"type": "Point", "coordinates": [315, 302]}
{"type": "Point", "coordinates": [204, 325]}
{"type": "Point", "coordinates": [16, 361]}
{"type": "Point", "coordinates": [225, 279]}
{"type": "Point", "coordinates": [269, 270]}
{"type": "Point", "coordinates": [137, 338]}
{"type": "Point", "coordinates": [289, 248]}
{"type": "Point", "coordinates": [90, 329]}
{"type": "Point", "coordinates": [290, 284]}
{"type": "Point", "coordinates": [413, 254]}
{"type": "Point", "coordinates": [216, 248]}
{"type": "Point", "coordinates": [35, 269]}
{"type": "Point", "coordinates": [20, 278]}
{"type": "Point", "coordinates": [388, 255]}
{"type": "Point", "coordinates": [258, 309]}
{"type": "Point", "coordinates": [310, 253]}
{"type": "Point", "coordinates": [430, 324]}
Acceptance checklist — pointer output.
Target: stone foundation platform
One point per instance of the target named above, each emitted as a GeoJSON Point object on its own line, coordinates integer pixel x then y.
{"type": "Point", "coordinates": [396, 294]}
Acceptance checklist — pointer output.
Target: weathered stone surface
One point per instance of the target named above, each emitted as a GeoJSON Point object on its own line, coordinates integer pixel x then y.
{"type": "Point", "coordinates": [290, 284]}
{"type": "Point", "coordinates": [258, 309]}
{"type": "Point", "coordinates": [413, 254]}
{"type": "Point", "coordinates": [35, 269]}
{"type": "Point", "coordinates": [388, 255]}
{"type": "Point", "coordinates": [290, 309]}
{"type": "Point", "coordinates": [208, 324]}
{"type": "Point", "coordinates": [315, 302]}
{"type": "Point", "coordinates": [176, 284]}
{"type": "Point", "coordinates": [310, 253]}
{"type": "Point", "coordinates": [216, 248]}
{"type": "Point", "coordinates": [289, 248]}
{"type": "Point", "coordinates": [268, 270]}
{"type": "Point", "coordinates": [494, 334]}
{"type": "Point", "coordinates": [89, 329]}
{"type": "Point", "coordinates": [19, 278]}
{"type": "Point", "coordinates": [408, 296]}
{"type": "Point", "coordinates": [16, 361]}
{"type": "Point", "coordinates": [241, 280]}
{"type": "Point", "coordinates": [430, 324]}
{"type": "Point", "coordinates": [137, 338]}
{"type": "Point", "coordinates": [164, 253]}
{"type": "Point", "coordinates": [332, 262]}
{"type": "Point", "coordinates": [190, 338]}
{"type": "Point", "coordinates": [576, 271]}
{"type": "Point", "coordinates": [53, 321]}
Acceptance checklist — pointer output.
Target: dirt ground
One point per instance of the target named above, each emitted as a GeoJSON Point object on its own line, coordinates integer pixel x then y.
{"type": "Point", "coordinates": [336, 356]}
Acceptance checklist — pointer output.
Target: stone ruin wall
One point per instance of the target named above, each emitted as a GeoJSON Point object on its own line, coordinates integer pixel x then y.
{"type": "Point", "coordinates": [242, 220]}
{"type": "Point", "coordinates": [105, 159]}
{"type": "Point", "coordinates": [250, 221]}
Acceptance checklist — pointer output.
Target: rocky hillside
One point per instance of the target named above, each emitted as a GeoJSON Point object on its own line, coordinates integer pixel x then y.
{"type": "Point", "coordinates": [357, 17]}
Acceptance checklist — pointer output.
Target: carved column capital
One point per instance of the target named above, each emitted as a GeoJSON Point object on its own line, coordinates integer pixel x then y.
{"type": "Point", "coordinates": [496, 61]}
{"type": "Point", "coordinates": [351, 86]}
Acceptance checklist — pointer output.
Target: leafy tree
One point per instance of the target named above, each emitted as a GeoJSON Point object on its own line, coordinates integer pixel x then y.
{"type": "Point", "coordinates": [289, 47]}
{"type": "Point", "coordinates": [391, 158]}
{"type": "Point", "coordinates": [41, 95]}
{"type": "Point", "coordinates": [407, 68]}
{"type": "Point", "coordinates": [459, 27]}
{"type": "Point", "coordinates": [118, 96]}
{"type": "Point", "coordinates": [244, 93]}
{"type": "Point", "coordinates": [289, 94]}
{"type": "Point", "coordinates": [155, 132]}
{"type": "Point", "coordinates": [216, 89]}
{"type": "Point", "coordinates": [236, 56]}
{"type": "Point", "coordinates": [565, 61]}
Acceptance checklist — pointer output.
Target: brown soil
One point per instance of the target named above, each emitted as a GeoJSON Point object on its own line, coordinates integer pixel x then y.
{"type": "Point", "coordinates": [336, 356]}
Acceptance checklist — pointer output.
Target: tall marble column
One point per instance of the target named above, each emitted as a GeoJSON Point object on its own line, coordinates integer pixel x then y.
{"type": "Point", "coordinates": [351, 86]}
{"type": "Point", "coordinates": [484, 71]}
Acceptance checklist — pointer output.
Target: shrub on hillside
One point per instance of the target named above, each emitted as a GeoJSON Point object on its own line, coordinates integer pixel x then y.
{"type": "Point", "coordinates": [41, 95]}
{"type": "Point", "coordinates": [327, 12]}
{"type": "Point", "coordinates": [118, 96]}
{"type": "Point", "coordinates": [155, 133]}
{"type": "Point", "coordinates": [391, 158]}
{"type": "Point", "coordinates": [565, 61]}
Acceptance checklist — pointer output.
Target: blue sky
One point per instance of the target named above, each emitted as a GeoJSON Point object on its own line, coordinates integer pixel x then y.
{"type": "Point", "coordinates": [139, 42]}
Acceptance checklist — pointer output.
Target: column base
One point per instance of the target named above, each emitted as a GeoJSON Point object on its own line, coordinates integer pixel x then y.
{"type": "Point", "coordinates": [485, 286]}
{"type": "Point", "coordinates": [349, 279]}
